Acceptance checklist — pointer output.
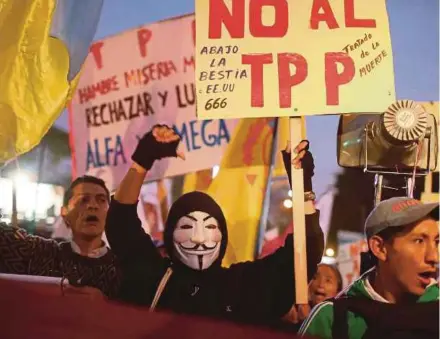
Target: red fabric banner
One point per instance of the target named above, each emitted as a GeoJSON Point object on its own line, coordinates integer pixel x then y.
{"type": "Point", "coordinates": [35, 307]}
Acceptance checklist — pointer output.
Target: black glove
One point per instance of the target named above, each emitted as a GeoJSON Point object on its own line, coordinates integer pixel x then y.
{"type": "Point", "coordinates": [308, 167]}
{"type": "Point", "coordinates": [149, 149]}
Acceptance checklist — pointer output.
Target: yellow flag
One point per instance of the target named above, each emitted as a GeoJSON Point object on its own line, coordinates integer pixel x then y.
{"type": "Point", "coordinates": [240, 186]}
{"type": "Point", "coordinates": [43, 44]}
{"type": "Point", "coordinates": [197, 181]}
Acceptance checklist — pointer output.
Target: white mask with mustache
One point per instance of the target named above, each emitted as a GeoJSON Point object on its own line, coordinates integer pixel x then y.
{"type": "Point", "coordinates": [197, 240]}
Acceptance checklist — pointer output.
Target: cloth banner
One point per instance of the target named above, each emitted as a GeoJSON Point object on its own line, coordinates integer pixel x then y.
{"type": "Point", "coordinates": [36, 309]}
{"type": "Point", "coordinates": [130, 82]}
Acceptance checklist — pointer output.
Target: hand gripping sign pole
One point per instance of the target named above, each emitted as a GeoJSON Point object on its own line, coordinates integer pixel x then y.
{"type": "Point", "coordinates": [298, 133]}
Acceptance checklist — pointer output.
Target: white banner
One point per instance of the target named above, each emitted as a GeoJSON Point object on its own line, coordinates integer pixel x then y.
{"type": "Point", "coordinates": [131, 82]}
{"type": "Point", "coordinates": [349, 260]}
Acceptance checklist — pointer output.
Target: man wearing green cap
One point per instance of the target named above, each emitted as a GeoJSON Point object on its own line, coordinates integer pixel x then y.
{"type": "Point", "coordinates": [398, 297]}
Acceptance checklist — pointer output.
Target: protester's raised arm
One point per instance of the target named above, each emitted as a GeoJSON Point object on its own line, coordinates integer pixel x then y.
{"type": "Point", "coordinates": [123, 227]}
{"type": "Point", "coordinates": [160, 142]}
{"type": "Point", "coordinates": [130, 187]}
{"type": "Point", "coordinates": [270, 280]}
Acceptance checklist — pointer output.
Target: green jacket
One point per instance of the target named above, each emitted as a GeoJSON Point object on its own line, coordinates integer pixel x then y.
{"type": "Point", "coordinates": [320, 321]}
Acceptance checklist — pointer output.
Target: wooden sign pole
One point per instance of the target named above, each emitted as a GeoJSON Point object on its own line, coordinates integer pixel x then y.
{"type": "Point", "coordinates": [297, 133]}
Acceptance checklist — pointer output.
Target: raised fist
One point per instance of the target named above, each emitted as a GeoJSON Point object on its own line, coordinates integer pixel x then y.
{"type": "Point", "coordinates": [303, 159]}
{"type": "Point", "coordinates": [161, 142]}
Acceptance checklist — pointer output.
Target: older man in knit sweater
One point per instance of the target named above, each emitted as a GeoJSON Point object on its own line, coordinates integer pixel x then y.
{"type": "Point", "coordinates": [83, 261]}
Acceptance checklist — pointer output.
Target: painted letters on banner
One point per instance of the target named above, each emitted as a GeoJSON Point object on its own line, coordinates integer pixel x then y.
{"type": "Point", "coordinates": [131, 82]}
{"type": "Point", "coordinates": [263, 58]}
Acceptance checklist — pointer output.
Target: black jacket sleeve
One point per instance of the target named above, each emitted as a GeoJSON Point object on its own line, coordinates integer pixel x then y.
{"type": "Point", "coordinates": [127, 238]}
{"type": "Point", "coordinates": [267, 286]}
{"type": "Point", "coordinates": [141, 264]}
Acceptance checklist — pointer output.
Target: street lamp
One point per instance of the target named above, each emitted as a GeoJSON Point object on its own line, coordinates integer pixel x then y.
{"type": "Point", "coordinates": [288, 203]}
{"type": "Point", "coordinates": [19, 178]}
{"type": "Point", "coordinates": [329, 252]}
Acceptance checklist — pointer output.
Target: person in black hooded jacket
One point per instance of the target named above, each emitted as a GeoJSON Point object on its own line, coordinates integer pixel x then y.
{"type": "Point", "coordinates": [192, 280]}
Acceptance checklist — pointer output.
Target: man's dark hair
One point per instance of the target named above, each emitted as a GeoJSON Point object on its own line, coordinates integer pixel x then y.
{"type": "Point", "coordinates": [82, 180]}
{"type": "Point", "coordinates": [368, 259]}
{"type": "Point", "coordinates": [389, 233]}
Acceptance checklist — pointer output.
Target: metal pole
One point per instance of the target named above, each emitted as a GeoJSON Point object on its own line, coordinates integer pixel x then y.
{"type": "Point", "coordinates": [378, 180]}
{"type": "Point", "coordinates": [41, 156]}
{"type": "Point", "coordinates": [410, 182]}
{"type": "Point", "coordinates": [14, 217]}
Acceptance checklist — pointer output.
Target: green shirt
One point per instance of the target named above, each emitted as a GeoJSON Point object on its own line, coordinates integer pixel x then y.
{"type": "Point", "coordinates": [320, 321]}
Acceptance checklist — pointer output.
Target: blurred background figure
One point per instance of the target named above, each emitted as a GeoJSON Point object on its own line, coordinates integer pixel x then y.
{"type": "Point", "coordinates": [326, 284]}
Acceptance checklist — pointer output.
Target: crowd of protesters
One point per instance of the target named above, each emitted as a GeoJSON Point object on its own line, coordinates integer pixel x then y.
{"type": "Point", "coordinates": [396, 297]}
